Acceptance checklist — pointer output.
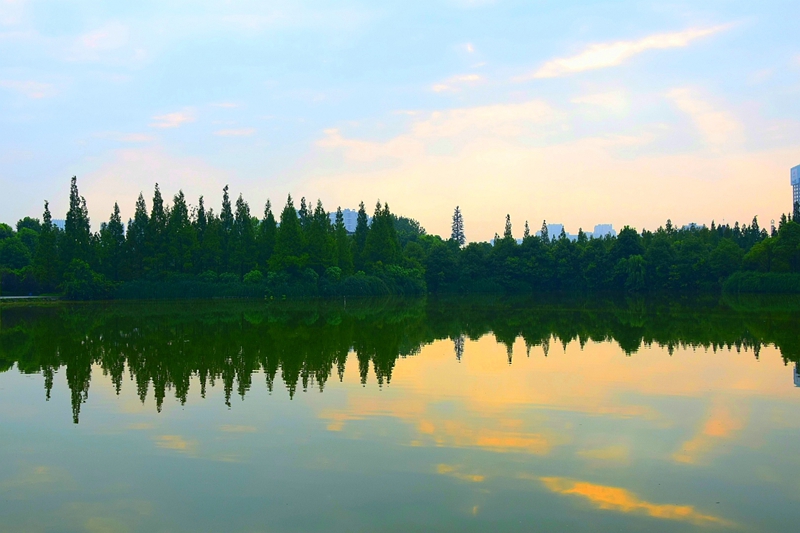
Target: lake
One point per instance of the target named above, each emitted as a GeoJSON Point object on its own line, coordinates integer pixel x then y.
{"type": "Point", "coordinates": [458, 414]}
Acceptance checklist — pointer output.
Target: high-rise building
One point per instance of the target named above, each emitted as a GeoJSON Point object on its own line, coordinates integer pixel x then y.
{"type": "Point", "coordinates": [795, 185]}
{"type": "Point", "coordinates": [601, 230]}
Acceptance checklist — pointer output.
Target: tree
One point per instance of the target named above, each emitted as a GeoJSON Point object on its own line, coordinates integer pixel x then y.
{"type": "Point", "coordinates": [30, 223]}
{"type": "Point", "coordinates": [112, 245]}
{"type": "Point", "coordinates": [507, 231]}
{"type": "Point", "coordinates": [226, 229]}
{"type": "Point", "coordinates": [344, 250]}
{"type": "Point", "coordinates": [181, 236]}
{"type": "Point", "coordinates": [155, 246]}
{"type": "Point", "coordinates": [382, 245]}
{"type": "Point", "coordinates": [267, 232]}
{"type": "Point", "coordinates": [304, 213]}
{"type": "Point", "coordinates": [45, 262]}
{"type": "Point", "coordinates": [362, 228]}
{"type": "Point", "coordinates": [457, 233]}
{"type": "Point", "coordinates": [244, 239]}
{"type": "Point", "coordinates": [527, 233]}
{"type": "Point", "coordinates": [289, 242]}
{"type": "Point", "coordinates": [320, 241]}
{"type": "Point", "coordinates": [545, 232]}
{"type": "Point", "coordinates": [77, 236]}
{"type": "Point", "coordinates": [136, 240]}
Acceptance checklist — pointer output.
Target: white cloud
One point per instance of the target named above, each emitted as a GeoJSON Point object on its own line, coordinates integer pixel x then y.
{"type": "Point", "coordinates": [604, 55]}
{"type": "Point", "coordinates": [454, 83]}
{"type": "Point", "coordinates": [91, 46]}
{"type": "Point", "coordinates": [503, 120]}
{"type": "Point", "coordinates": [469, 48]}
{"type": "Point", "coordinates": [136, 138]}
{"type": "Point", "coordinates": [718, 127]}
{"type": "Point", "coordinates": [11, 12]}
{"type": "Point", "coordinates": [457, 126]}
{"type": "Point", "coordinates": [31, 89]}
{"type": "Point", "coordinates": [614, 101]}
{"type": "Point", "coordinates": [172, 120]}
{"type": "Point", "coordinates": [243, 132]}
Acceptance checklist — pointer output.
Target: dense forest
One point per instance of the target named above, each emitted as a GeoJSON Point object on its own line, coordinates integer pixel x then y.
{"type": "Point", "coordinates": [176, 250]}
{"type": "Point", "coordinates": [162, 347]}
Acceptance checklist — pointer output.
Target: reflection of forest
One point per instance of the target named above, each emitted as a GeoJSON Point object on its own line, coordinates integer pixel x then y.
{"type": "Point", "coordinates": [163, 345]}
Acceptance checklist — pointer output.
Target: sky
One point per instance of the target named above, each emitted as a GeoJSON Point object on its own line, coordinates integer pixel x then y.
{"type": "Point", "coordinates": [579, 113]}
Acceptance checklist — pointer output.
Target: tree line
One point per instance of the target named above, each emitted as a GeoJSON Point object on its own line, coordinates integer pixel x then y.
{"type": "Point", "coordinates": [177, 250]}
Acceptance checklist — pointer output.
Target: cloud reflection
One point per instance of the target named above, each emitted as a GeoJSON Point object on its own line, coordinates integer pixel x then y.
{"type": "Point", "coordinates": [623, 501]}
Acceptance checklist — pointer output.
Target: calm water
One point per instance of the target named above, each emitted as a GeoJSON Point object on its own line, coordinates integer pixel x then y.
{"type": "Point", "coordinates": [400, 416]}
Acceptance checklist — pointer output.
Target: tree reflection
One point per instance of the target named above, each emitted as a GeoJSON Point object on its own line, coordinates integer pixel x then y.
{"type": "Point", "coordinates": [163, 346]}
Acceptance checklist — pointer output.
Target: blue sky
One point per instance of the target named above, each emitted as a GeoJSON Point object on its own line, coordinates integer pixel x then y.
{"type": "Point", "coordinates": [574, 112]}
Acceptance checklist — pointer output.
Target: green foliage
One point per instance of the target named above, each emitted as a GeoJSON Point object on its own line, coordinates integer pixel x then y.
{"type": "Point", "coordinates": [381, 245]}
{"type": "Point", "coordinates": [290, 243]}
{"type": "Point", "coordinates": [6, 232]}
{"type": "Point", "coordinates": [254, 277]}
{"type": "Point", "coordinates": [82, 283]}
{"type": "Point", "coordinates": [32, 224]}
{"type": "Point", "coordinates": [14, 254]}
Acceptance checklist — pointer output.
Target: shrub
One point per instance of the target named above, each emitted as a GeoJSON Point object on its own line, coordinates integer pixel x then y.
{"type": "Point", "coordinates": [83, 283]}
{"type": "Point", "coordinates": [254, 277]}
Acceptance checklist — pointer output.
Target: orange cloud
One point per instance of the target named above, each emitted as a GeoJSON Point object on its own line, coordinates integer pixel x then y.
{"type": "Point", "coordinates": [723, 422]}
{"type": "Point", "coordinates": [623, 501]}
{"type": "Point", "coordinates": [453, 471]}
{"type": "Point", "coordinates": [175, 442]}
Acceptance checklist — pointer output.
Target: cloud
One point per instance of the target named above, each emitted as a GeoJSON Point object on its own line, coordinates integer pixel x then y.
{"type": "Point", "coordinates": [175, 442]}
{"type": "Point", "coordinates": [108, 37]}
{"type": "Point", "coordinates": [243, 132]}
{"type": "Point", "coordinates": [93, 45]}
{"type": "Point", "coordinates": [718, 127]}
{"type": "Point", "coordinates": [498, 121]}
{"type": "Point", "coordinates": [604, 55]}
{"type": "Point", "coordinates": [454, 83]}
{"type": "Point", "coordinates": [238, 429]}
{"type": "Point", "coordinates": [11, 12]}
{"type": "Point", "coordinates": [126, 137]}
{"type": "Point", "coordinates": [469, 48]}
{"type": "Point", "coordinates": [524, 159]}
{"type": "Point", "coordinates": [611, 454]}
{"type": "Point", "coordinates": [614, 101]}
{"type": "Point", "coordinates": [32, 89]}
{"type": "Point", "coordinates": [454, 472]}
{"type": "Point", "coordinates": [172, 120]}
{"type": "Point", "coordinates": [723, 423]}
{"type": "Point", "coordinates": [623, 501]}
{"type": "Point", "coordinates": [135, 138]}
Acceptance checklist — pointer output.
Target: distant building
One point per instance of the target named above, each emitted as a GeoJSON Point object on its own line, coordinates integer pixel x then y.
{"type": "Point", "coordinates": [603, 230]}
{"type": "Point", "coordinates": [59, 223]}
{"type": "Point", "coordinates": [600, 231]}
{"type": "Point", "coordinates": [553, 231]}
{"type": "Point", "coordinates": [350, 219]}
{"type": "Point", "coordinates": [691, 226]}
{"type": "Point", "coordinates": [796, 375]}
{"type": "Point", "coordinates": [795, 185]}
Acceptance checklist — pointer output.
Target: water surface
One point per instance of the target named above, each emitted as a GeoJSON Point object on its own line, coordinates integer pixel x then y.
{"type": "Point", "coordinates": [447, 415]}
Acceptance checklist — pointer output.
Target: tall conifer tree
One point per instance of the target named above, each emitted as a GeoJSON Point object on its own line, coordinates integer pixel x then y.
{"type": "Point", "coordinates": [457, 233]}
{"type": "Point", "coordinates": [77, 236]}
{"type": "Point", "coordinates": [267, 232]}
